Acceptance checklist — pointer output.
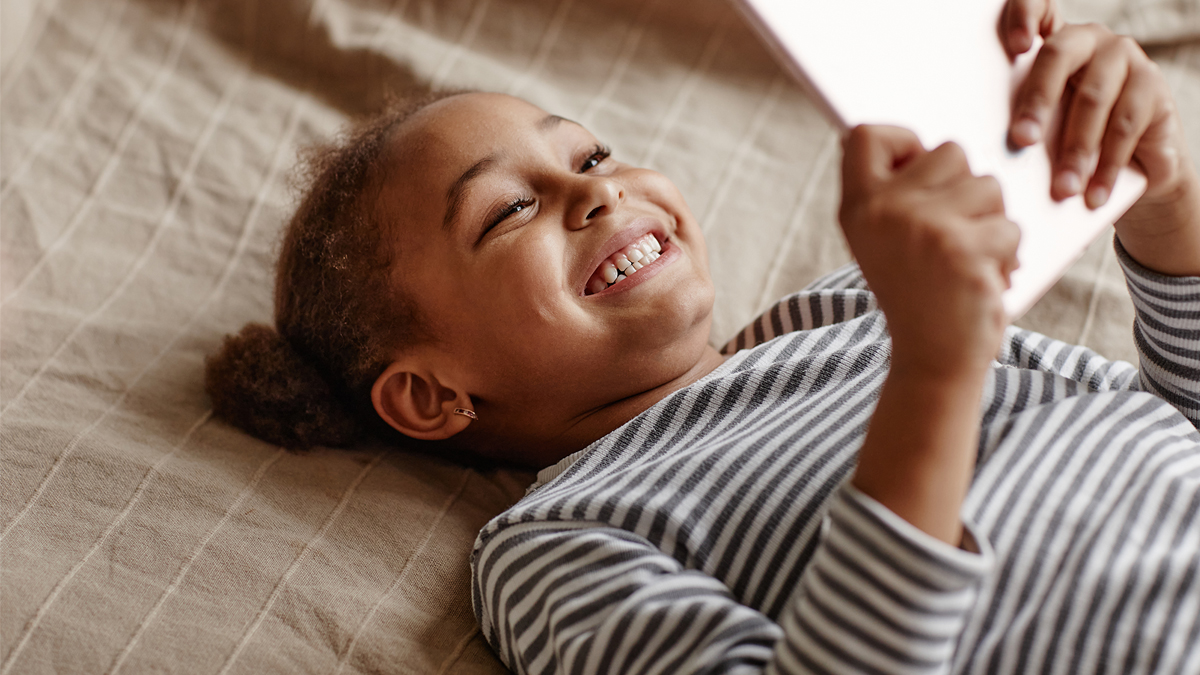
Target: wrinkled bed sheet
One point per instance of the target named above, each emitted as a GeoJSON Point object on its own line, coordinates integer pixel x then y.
{"type": "Point", "coordinates": [144, 178]}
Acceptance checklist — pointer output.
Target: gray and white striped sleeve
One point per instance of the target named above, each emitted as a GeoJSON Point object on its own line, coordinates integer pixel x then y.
{"type": "Point", "coordinates": [1028, 349]}
{"type": "Point", "coordinates": [880, 595]}
{"type": "Point", "coordinates": [571, 597]}
{"type": "Point", "coordinates": [1166, 331]}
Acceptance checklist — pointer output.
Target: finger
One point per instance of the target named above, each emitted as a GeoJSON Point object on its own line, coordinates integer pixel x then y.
{"type": "Point", "coordinates": [1063, 54]}
{"type": "Point", "coordinates": [1087, 116]}
{"type": "Point", "coordinates": [1131, 116]}
{"type": "Point", "coordinates": [872, 154]}
{"type": "Point", "coordinates": [971, 197]}
{"type": "Point", "coordinates": [998, 238]}
{"type": "Point", "coordinates": [1020, 21]}
{"type": "Point", "coordinates": [979, 196]}
{"type": "Point", "coordinates": [1052, 22]}
{"type": "Point", "coordinates": [944, 165]}
{"type": "Point", "coordinates": [1007, 267]}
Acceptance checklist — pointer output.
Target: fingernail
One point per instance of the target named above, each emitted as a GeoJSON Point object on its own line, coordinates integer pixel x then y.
{"type": "Point", "coordinates": [1067, 183]}
{"type": "Point", "coordinates": [1096, 196]}
{"type": "Point", "coordinates": [1027, 132]}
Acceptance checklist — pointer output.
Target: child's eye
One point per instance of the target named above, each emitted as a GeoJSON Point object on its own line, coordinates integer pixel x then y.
{"type": "Point", "coordinates": [512, 208]}
{"type": "Point", "coordinates": [599, 154]}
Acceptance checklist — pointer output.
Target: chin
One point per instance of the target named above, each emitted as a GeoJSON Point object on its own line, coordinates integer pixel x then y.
{"type": "Point", "coordinates": [683, 329]}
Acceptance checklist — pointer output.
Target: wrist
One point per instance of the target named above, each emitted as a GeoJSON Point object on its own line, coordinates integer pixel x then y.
{"type": "Point", "coordinates": [958, 389]}
{"type": "Point", "coordinates": [1162, 233]}
{"type": "Point", "coordinates": [1172, 208]}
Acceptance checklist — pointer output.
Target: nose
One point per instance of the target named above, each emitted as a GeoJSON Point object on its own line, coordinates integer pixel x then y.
{"type": "Point", "coordinates": [599, 196]}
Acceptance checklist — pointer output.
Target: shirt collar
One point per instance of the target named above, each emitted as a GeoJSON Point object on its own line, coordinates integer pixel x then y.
{"type": "Point", "coordinates": [555, 470]}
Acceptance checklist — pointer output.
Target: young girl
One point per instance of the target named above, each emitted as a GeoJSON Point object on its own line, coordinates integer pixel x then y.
{"type": "Point", "coordinates": [832, 492]}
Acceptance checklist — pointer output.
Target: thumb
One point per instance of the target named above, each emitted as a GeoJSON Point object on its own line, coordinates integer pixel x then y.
{"type": "Point", "coordinates": [873, 154]}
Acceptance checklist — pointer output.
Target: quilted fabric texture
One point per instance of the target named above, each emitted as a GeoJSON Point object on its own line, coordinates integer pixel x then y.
{"type": "Point", "coordinates": [146, 149]}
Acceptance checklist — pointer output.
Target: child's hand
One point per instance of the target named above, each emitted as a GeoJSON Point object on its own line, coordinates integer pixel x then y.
{"type": "Point", "coordinates": [1118, 111]}
{"type": "Point", "coordinates": [934, 246]}
{"type": "Point", "coordinates": [1118, 108]}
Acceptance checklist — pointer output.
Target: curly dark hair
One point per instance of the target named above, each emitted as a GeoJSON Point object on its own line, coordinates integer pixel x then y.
{"type": "Point", "coordinates": [307, 381]}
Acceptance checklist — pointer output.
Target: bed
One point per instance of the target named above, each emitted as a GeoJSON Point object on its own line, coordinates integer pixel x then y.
{"type": "Point", "coordinates": [145, 149]}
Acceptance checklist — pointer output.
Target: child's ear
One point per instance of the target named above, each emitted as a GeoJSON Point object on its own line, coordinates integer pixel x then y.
{"type": "Point", "coordinates": [415, 403]}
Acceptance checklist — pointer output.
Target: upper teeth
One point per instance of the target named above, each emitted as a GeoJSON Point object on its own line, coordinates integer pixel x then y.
{"type": "Point", "coordinates": [625, 263]}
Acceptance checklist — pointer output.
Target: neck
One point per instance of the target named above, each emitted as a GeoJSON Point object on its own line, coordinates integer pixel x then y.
{"type": "Point", "coordinates": [595, 424]}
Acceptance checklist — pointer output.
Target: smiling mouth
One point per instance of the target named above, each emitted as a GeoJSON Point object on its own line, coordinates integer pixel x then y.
{"type": "Point", "coordinates": [624, 264]}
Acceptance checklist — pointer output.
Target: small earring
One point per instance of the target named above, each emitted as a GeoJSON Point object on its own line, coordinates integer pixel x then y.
{"type": "Point", "coordinates": [466, 412]}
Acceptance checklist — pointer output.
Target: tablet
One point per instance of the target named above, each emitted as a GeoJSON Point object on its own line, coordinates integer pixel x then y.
{"type": "Point", "coordinates": [937, 67]}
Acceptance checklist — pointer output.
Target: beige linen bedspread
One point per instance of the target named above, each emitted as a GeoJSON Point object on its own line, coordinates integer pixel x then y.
{"type": "Point", "coordinates": [145, 148]}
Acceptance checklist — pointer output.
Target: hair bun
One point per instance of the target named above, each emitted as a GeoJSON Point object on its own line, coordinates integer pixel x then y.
{"type": "Point", "coordinates": [259, 384]}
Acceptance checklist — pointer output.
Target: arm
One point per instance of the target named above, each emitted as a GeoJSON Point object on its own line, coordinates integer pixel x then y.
{"type": "Point", "coordinates": [914, 459]}
{"type": "Point", "coordinates": [1027, 349]}
{"type": "Point", "coordinates": [1167, 334]}
{"type": "Point", "coordinates": [934, 245]}
{"type": "Point", "coordinates": [932, 241]}
{"type": "Point", "coordinates": [587, 598]}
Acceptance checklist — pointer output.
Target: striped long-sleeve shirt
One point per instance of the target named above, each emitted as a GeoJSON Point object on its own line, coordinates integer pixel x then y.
{"type": "Point", "coordinates": [717, 531]}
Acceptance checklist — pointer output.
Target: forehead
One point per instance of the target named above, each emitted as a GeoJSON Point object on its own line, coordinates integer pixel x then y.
{"type": "Point", "coordinates": [461, 129]}
{"type": "Point", "coordinates": [429, 152]}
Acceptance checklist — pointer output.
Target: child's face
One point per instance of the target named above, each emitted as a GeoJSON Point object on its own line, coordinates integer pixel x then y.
{"type": "Point", "coordinates": [504, 221]}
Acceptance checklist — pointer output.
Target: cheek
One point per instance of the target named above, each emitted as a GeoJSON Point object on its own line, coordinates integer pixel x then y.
{"type": "Point", "coordinates": [656, 188]}
{"type": "Point", "coordinates": [522, 307]}
{"type": "Point", "coordinates": [529, 282]}
{"type": "Point", "coordinates": [648, 181]}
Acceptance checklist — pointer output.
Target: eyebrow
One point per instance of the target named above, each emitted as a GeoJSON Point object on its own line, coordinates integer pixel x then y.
{"type": "Point", "coordinates": [454, 196]}
{"type": "Point", "coordinates": [550, 121]}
